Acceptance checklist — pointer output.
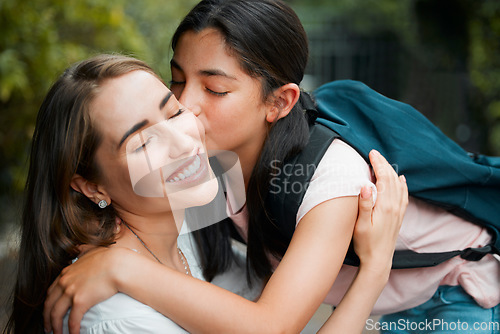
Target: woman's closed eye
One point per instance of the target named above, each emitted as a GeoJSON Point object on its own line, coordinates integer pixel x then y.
{"type": "Point", "coordinates": [180, 111]}
{"type": "Point", "coordinates": [143, 146]}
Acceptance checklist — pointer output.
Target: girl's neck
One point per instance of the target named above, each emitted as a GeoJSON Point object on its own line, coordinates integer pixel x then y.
{"type": "Point", "coordinates": [248, 157]}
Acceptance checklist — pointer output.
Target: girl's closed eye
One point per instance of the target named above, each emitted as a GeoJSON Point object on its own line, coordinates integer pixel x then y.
{"type": "Point", "coordinates": [176, 83]}
{"type": "Point", "coordinates": [216, 93]}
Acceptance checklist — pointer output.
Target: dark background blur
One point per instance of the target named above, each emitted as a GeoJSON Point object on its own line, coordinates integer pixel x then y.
{"type": "Point", "coordinates": [441, 56]}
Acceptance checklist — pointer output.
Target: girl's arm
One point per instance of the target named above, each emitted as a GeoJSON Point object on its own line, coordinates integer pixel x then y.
{"type": "Point", "coordinates": [294, 292]}
{"type": "Point", "coordinates": [374, 242]}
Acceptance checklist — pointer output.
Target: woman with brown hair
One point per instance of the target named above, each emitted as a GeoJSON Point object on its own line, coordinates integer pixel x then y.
{"type": "Point", "coordinates": [104, 123]}
{"type": "Point", "coordinates": [112, 143]}
{"type": "Point", "coordinates": [256, 121]}
{"type": "Point", "coordinates": [238, 64]}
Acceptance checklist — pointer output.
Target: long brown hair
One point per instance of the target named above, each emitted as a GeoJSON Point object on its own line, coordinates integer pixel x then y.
{"type": "Point", "coordinates": [56, 219]}
{"type": "Point", "coordinates": [271, 44]}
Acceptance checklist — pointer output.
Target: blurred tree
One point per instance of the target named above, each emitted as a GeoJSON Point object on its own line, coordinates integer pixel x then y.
{"type": "Point", "coordinates": [447, 63]}
{"type": "Point", "coordinates": [484, 65]}
{"type": "Point", "coordinates": [157, 21]}
{"type": "Point", "coordinates": [38, 39]}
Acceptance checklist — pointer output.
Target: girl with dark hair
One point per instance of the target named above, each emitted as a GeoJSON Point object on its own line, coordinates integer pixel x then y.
{"type": "Point", "coordinates": [238, 65]}
{"type": "Point", "coordinates": [254, 57]}
{"type": "Point", "coordinates": [95, 134]}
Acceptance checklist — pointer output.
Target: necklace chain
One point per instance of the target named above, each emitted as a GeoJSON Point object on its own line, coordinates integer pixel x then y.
{"type": "Point", "coordinates": [181, 254]}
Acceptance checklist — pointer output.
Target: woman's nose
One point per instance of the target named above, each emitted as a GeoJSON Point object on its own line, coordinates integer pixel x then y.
{"type": "Point", "coordinates": [180, 144]}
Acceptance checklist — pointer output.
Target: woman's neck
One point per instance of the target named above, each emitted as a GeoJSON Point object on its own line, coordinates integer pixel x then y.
{"type": "Point", "coordinates": [155, 237]}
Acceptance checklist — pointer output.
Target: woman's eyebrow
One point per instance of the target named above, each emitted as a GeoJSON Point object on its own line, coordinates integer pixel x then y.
{"type": "Point", "coordinates": [165, 100]}
{"type": "Point", "coordinates": [133, 129]}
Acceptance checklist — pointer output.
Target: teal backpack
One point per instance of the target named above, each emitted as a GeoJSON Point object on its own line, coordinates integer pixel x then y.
{"type": "Point", "coordinates": [437, 170]}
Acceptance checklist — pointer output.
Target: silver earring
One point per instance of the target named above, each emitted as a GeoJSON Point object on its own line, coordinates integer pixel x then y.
{"type": "Point", "coordinates": [102, 204]}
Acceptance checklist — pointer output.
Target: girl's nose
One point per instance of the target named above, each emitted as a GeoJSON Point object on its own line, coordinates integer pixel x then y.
{"type": "Point", "coordinates": [190, 99]}
{"type": "Point", "coordinates": [196, 109]}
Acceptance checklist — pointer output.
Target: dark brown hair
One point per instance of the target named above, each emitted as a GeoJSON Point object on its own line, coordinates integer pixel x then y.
{"type": "Point", "coordinates": [270, 42]}
{"type": "Point", "coordinates": [56, 219]}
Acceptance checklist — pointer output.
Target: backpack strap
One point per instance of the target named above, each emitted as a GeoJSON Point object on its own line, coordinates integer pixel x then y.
{"type": "Point", "coordinates": [289, 182]}
{"type": "Point", "coordinates": [289, 185]}
{"type": "Point", "coordinates": [406, 259]}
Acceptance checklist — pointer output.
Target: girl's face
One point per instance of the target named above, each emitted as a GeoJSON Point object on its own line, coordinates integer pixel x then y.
{"type": "Point", "coordinates": [209, 80]}
{"type": "Point", "coordinates": [152, 148]}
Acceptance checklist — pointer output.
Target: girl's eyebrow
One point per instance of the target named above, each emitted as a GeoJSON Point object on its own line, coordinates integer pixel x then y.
{"type": "Point", "coordinates": [165, 100]}
{"type": "Point", "coordinates": [205, 73]}
{"type": "Point", "coordinates": [174, 64]}
{"type": "Point", "coordinates": [216, 72]}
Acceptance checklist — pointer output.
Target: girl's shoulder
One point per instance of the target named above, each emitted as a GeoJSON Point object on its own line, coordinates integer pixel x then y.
{"type": "Point", "coordinates": [342, 161]}
{"type": "Point", "coordinates": [341, 153]}
{"type": "Point", "coordinates": [341, 172]}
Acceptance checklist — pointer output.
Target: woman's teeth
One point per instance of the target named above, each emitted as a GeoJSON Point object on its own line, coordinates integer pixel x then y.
{"type": "Point", "coordinates": [188, 171]}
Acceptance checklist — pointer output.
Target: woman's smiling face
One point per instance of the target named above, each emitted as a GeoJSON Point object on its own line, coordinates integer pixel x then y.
{"type": "Point", "coordinates": [151, 149]}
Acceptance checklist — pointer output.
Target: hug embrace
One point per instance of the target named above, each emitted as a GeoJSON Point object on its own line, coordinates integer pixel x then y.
{"type": "Point", "coordinates": [118, 159]}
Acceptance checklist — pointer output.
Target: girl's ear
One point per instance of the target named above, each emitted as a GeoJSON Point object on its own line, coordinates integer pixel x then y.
{"type": "Point", "coordinates": [89, 189]}
{"type": "Point", "coordinates": [285, 99]}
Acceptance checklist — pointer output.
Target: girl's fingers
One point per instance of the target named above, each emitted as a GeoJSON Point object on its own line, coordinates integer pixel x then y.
{"type": "Point", "coordinates": [384, 173]}
{"type": "Point", "coordinates": [365, 204]}
{"type": "Point", "coordinates": [60, 308]}
{"type": "Point", "coordinates": [381, 167]}
{"type": "Point", "coordinates": [75, 318]}
{"type": "Point", "coordinates": [53, 294]}
{"type": "Point", "coordinates": [404, 196]}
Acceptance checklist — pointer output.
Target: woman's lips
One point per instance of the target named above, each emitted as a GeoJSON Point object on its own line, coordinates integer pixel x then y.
{"type": "Point", "coordinates": [193, 170]}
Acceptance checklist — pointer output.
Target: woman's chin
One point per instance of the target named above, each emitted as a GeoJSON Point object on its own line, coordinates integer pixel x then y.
{"type": "Point", "coordinates": [197, 195]}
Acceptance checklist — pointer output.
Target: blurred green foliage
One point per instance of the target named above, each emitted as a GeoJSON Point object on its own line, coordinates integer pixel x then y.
{"type": "Point", "coordinates": [485, 64]}
{"type": "Point", "coordinates": [38, 39]}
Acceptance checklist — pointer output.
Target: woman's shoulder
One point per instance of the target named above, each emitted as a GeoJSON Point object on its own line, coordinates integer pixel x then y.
{"type": "Point", "coordinates": [123, 314]}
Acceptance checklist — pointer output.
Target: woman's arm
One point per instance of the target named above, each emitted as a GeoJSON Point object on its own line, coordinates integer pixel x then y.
{"type": "Point", "coordinates": [290, 298]}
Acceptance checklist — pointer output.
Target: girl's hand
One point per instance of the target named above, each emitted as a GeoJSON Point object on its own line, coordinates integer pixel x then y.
{"type": "Point", "coordinates": [81, 285]}
{"type": "Point", "coordinates": [377, 228]}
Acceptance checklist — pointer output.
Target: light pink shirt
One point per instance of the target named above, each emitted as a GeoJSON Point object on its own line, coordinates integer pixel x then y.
{"type": "Point", "coordinates": [342, 172]}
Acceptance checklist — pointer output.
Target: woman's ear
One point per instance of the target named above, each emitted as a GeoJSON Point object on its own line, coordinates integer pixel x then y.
{"type": "Point", "coordinates": [285, 99]}
{"type": "Point", "coordinates": [91, 190]}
